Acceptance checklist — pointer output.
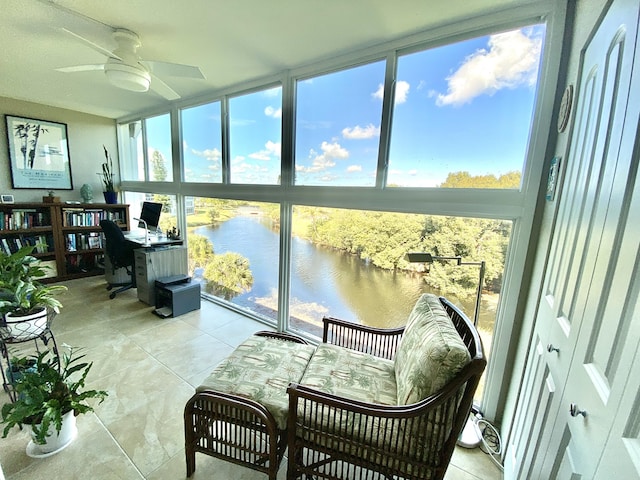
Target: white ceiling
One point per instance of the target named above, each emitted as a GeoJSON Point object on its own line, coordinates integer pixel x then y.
{"type": "Point", "coordinates": [232, 41]}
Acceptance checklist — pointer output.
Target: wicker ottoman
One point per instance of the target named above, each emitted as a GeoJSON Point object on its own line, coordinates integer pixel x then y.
{"type": "Point", "coordinates": [240, 411]}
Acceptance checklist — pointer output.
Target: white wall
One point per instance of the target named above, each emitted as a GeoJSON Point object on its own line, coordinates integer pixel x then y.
{"type": "Point", "coordinates": [86, 135]}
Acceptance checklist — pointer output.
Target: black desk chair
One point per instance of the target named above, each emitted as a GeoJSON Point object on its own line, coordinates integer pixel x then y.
{"type": "Point", "coordinates": [120, 253]}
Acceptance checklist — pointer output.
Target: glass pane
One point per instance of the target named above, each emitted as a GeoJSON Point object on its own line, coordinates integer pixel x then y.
{"type": "Point", "coordinates": [159, 157]}
{"type": "Point", "coordinates": [352, 265]}
{"type": "Point", "coordinates": [202, 143]}
{"type": "Point", "coordinates": [234, 251]}
{"type": "Point", "coordinates": [255, 132]}
{"type": "Point", "coordinates": [168, 217]}
{"type": "Point", "coordinates": [132, 157]}
{"type": "Point", "coordinates": [338, 127]}
{"type": "Point", "coordinates": [464, 117]}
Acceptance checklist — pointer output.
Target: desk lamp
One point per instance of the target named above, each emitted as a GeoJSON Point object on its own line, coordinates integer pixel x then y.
{"type": "Point", "coordinates": [147, 240]}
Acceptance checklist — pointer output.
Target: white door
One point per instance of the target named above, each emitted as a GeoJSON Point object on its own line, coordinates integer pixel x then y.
{"type": "Point", "coordinates": [584, 340]}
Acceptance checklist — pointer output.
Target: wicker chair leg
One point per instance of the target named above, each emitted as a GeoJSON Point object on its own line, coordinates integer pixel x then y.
{"type": "Point", "coordinates": [191, 461]}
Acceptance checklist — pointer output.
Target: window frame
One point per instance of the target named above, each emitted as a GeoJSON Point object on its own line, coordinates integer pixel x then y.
{"type": "Point", "coordinates": [522, 207]}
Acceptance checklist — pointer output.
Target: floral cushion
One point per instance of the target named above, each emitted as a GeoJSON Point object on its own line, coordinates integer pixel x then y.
{"type": "Point", "coordinates": [351, 374]}
{"type": "Point", "coordinates": [261, 369]}
{"type": "Point", "coordinates": [430, 353]}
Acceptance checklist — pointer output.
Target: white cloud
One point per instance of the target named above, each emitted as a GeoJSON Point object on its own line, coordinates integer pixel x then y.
{"type": "Point", "coordinates": [330, 153]}
{"type": "Point", "coordinates": [511, 61]}
{"type": "Point", "coordinates": [273, 112]}
{"type": "Point", "coordinates": [212, 154]}
{"type": "Point", "coordinates": [402, 92]}
{"type": "Point", "coordinates": [360, 133]}
{"type": "Point", "coordinates": [354, 168]}
{"type": "Point", "coordinates": [270, 149]}
{"type": "Point", "coordinates": [272, 92]}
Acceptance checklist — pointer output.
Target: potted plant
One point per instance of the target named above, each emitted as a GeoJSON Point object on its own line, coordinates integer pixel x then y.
{"type": "Point", "coordinates": [49, 399]}
{"type": "Point", "coordinates": [110, 194]}
{"type": "Point", "coordinates": [25, 303]}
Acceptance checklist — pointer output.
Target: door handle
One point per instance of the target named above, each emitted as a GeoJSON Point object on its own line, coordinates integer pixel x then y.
{"type": "Point", "coordinates": [574, 410]}
{"type": "Point", "coordinates": [551, 348]}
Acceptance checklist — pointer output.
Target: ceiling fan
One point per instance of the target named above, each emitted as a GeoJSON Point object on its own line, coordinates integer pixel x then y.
{"type": "Point", "coordinates": [124, 68]}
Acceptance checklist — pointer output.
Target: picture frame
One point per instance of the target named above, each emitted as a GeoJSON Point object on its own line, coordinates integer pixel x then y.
{"type": "Point", "coordinates": [38, 154]}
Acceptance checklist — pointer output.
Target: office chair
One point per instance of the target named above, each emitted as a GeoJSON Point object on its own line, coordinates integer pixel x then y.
{"type": "Point", "coordinates": [120, 253]}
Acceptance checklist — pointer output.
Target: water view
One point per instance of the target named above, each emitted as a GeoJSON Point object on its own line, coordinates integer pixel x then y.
{"type": "Point", "coordinates": [323, 281]}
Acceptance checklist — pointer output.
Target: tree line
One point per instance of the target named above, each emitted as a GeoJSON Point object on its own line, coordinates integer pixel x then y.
{"type": "Point", "coordinates": [380, 238]}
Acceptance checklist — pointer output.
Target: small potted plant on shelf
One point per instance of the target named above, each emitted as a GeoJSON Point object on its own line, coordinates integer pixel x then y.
{"type": "Point", "coordinates": [49, 399]}
{"type": "Point", "coordinates": [110, 194]}
{"type": "Point", "coordinates": [51, 197]}
{"type": "Point", "coordinates": [25, 303]}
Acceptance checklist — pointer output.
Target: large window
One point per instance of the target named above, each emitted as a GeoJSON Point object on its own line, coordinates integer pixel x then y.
{"type": "Point", "coordinates": [463, 112]}
{"type": "Point", "coordinates": [159, 158]}
{"type": "Point", "coordinates": [131, 151]}
{"type": "Point", "coordinates": [168, 217]}
{"type": "Point", "coordinates": [338, 119]}
{"type": "Point", "coordinates": [233, 251]}
{"type": "Point", "coordinates": [202, 143]}
{"type": "Point", "coordinates": [255, 129]}
{"type": "Point", "coordinates": [352, 264]}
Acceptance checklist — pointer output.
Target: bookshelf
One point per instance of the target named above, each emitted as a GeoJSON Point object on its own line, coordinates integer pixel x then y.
{"type": "Point", "coordinates": [69, 235]}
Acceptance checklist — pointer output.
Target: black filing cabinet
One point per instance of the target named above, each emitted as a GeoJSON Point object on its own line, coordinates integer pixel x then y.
{"type": "Point", "coordinates": [175, 299]}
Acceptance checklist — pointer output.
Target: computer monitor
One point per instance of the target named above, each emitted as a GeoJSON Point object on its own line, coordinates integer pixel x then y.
{"type": "Point", "coordinates": [151, 214]}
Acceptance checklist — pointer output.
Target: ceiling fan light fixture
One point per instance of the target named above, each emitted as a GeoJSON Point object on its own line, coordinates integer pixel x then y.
{"type": "Point", "coordinates": [128, 77]}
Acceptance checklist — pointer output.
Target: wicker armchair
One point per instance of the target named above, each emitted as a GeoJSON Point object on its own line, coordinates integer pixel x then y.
{"type": "Point", "coordinates": [348, 436]}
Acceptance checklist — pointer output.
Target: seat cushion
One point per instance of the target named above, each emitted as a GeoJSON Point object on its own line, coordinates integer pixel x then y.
{"type": "Point", "coordinates": [261, 369]}
{"type": "Point", "coordinates": [350, 374]}
{"type": "Point", "coordinates": [430, 353]}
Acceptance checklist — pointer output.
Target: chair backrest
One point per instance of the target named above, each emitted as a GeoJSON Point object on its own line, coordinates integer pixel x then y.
{"type": "Point", "coordinates": [119, 251]}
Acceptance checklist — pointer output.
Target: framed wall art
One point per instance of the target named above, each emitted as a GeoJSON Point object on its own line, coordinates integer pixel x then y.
{"type": "Point", "coordinates": [38, 154]}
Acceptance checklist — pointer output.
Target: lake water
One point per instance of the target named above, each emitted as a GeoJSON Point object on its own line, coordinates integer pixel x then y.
{"type": "Point", "coordinates": [323, 281]}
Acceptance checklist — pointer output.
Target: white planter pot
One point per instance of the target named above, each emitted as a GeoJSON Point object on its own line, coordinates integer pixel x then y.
{"type": "Point", "coordinates": [25, 327]}
{"type": "Point", "coordinates": [55, 441]}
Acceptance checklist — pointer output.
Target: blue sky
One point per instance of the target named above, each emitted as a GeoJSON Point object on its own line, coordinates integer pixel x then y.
{"type": "Point", "coordinates": [460, 107]}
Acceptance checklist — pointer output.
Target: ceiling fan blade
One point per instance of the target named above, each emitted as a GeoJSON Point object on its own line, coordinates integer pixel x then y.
{"type": "Point", "coordinates": [79, 25]}
{"type": "Point", "coordinates": [81, 68]}
{"type": "Point", "coordinates": [91, 44]}
{"type": "Point", "coordinates": [163, 89]}
{"type": "Point", "coordinates": [167, 69]}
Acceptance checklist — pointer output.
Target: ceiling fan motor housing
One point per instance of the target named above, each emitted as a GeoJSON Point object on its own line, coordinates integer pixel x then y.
{"type": "Point", "coordinates": [124, 71]}
{"type": "Point", "coordinates": [125, 76]}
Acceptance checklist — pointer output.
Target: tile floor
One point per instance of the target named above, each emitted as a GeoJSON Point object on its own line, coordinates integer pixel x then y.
{"type": "Point", "coordinates": [150, 366]}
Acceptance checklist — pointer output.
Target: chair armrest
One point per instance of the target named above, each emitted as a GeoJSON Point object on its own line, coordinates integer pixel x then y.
{"type": "Point", "coordinates": [380, 342]}
{"type": "Point", "coordinates": [282, 336]}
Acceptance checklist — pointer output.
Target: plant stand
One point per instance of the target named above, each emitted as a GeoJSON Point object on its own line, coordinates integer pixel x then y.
{"type": "Point", "coordinates": [41, 338]}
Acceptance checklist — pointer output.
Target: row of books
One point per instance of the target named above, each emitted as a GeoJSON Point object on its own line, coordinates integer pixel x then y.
{"type": "Point", "coordinates": [90, 218]}
{"type": "Point", "coordinates": [24, 218]}
{"type": "Point", "coordinates": [11, 244]}
{"type": "Point", "coordinates": [83, 241]}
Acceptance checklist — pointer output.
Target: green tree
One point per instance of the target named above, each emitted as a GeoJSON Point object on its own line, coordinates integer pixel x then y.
{"type": "Point", "coordinates": [158, 166]}
{"type": "Point", "coordinates": [200, 251]}
{"type": "Point", "coordinates": [466, 180]}
{"type": "Point", "coordinates": [474, 240]}
{"type": "Point", "coordinates": [228, 275]}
